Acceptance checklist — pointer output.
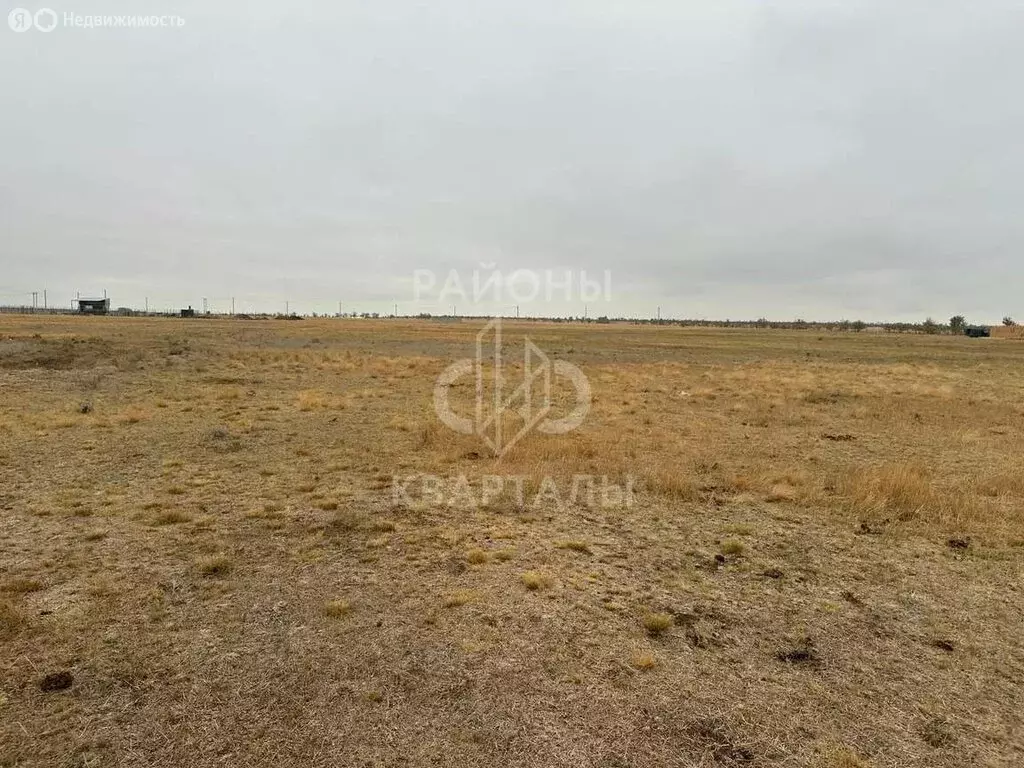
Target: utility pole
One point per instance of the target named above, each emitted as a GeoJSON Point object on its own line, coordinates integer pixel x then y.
{"type": "Point", "coordinates": [339, 309]}
{"type": "Point", "coordinates": [286, 308]}
{"type": "Point", "coordinates": [396, 310]}
{"type": "Point", "coordinates": [659, 314]}
{"type": "Point", "coordinates": [232, 305]}
{"type": "Point", "coordinates": [147, 305]}
{"type": "Point", "coordinates": [517, 311]}
{"type": "Point", "coordinates": [44, 298]}
{"type": "Point", "coordinates": [35, 298]}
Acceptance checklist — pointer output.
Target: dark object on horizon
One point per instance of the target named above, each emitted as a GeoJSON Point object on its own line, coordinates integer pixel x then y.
{"type": "Point", "coordinates": [977, 331]}
{"type": "Point", "coordinates": [188, 312]}
{"type": "Point", "coordinates": [93, 306]}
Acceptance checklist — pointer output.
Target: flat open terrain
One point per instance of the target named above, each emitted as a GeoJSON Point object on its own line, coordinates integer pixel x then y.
{"type": "Point", "coordinates": [204, 559]}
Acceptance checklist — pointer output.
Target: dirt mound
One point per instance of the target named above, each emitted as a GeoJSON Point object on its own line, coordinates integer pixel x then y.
{"type": "Point", "coordinates": [21, 353]}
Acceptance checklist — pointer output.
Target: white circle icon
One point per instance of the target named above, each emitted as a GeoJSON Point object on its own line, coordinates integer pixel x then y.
{"type": "Point", "coordinates": [45, 20]}
{"type": "Point", "coordinates": [20, 20]}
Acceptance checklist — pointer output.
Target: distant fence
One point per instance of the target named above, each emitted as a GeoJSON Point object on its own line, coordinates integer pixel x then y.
{"type": "Point", "coordinates": [120, 311]}
{"type": "Point", "coordinates": [128, 312]}
{"type": "Point", "coordinates": [38, 311]}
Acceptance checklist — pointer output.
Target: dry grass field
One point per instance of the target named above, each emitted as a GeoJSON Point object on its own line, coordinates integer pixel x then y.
{"type": "Point", "coordinates": [203, 560]}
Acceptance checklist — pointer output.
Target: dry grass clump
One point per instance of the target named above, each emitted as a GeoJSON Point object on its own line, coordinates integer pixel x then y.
{"type": "Point", "coordinates": [458, 598]}
{"type": "Point", "coordinates": [576, 546]}
{"type": "Point", "coordinates": [732, 547]}
{"type": "Point", "coordinates": [433, 434]}
{"type": "Point", "coordinates": [222, 441]}
{"type": "Point", "coordinates": [842, 757]}
{"type": "Point", "coordinates": [264, 514]}
{"type": "Point", "coordinates": [905, 492]}
{"type": "Point", "coordinates": [781, 492]}
{"type": "Point", "coordinates": [132, 415]}
{"type": "Point", "coordinates": [310, 399]}
{"type": "Point", "coordinates": [78, 509]}
{"type": "Point", "coordinates": [346, 520]}
{"type": "Point", "coordinates": [937, 733]}
{"type": "Point", "coordinates": [316, 399]}
{"type": "Point", "coordinates": [172, 517]}
{"type": "Point", "coordinates": [643, 660]}
{"type": "Point", "coordinates": [827, 396]}
{"type": "Point", "coordinates": [657, 623]}
{"type": "Point", "coordinates": [215, 565]}
{"type": "Point", "coordinates": [672, 484]}
{"type": "Point", "coordinates": [534, 580]}
{"type": "Point", "coordinates": [1002, 484]}
{"type": "Point", "coordinates": [477, 556]}
{"type": "Point", "coordinates": [11, 618]}
{"type": "Point", "coordinates": [21, 585]}
{"type": "Point", "coordinates": [902, 488]}
{"type": "Point", "coordinates": [337, 608]}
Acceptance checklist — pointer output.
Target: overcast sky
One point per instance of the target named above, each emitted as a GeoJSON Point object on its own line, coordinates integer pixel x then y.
{"type": "Point", "coordinates": [800, 158]}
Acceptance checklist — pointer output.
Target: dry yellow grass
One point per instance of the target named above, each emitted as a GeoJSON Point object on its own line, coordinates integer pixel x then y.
{"type": "Point", "coordinates": [732, 547]}
{"type": "Point", "coordinates": [216, 565]}
{"type": "Point", "coordinates": [458, 598]}
{"type": "Point", "coordinates": [534, 581]}
{"type": "Point", "coordinates": [1015, 332]}
{"type": "Point", "coordinates": [576, 546]}
{"type": "Point", "coordinates": [11, 618]}
{"type": "Point", "coordinates": [819, 523]}
{"type": "Point", "coordinates": [842, 757]}
{"type": "Point", "coordinates": [657, 623]}
{"type": "Point", "coordinates": [337, 608]}
{"type": "Point", "coordinates": [20, 585]}
{"type": "Point", "coordinates": [172, 517]}
{"type": "Point", "coordinates": [643, 660]}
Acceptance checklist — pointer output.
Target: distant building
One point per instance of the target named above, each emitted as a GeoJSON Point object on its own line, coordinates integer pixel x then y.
{"type": "Point", "coordinates": [188, 312]}
{"type": "Point", "coordinates": [93, 306]}
{"type": "Point", "coordinates": [977, 331]}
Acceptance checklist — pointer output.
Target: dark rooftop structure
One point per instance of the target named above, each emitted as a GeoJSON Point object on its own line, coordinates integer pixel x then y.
{"type": "Point", "coordinates": [977, 331]}
{"type": "Point", "coordinates": [93, 306]}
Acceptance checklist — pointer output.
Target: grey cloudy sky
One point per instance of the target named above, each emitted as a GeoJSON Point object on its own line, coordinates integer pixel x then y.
{"type": "Point", "coordinates": [723, 158]}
